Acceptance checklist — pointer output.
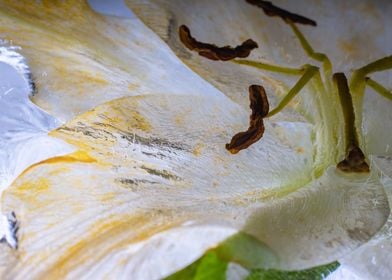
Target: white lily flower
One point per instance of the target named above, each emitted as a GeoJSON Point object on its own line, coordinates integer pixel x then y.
{"type": "Point", "coordinates": [142, 185]}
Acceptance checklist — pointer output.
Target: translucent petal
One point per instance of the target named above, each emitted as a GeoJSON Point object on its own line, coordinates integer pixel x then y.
{"type": "Point", "coordinates": [23, 126]}
{"type": "Point", "coordinates": [372, 260]}
{"type": "Point", "coordinates": [377, 126]}
{"type": "Point", "coordinates": [80, 59]}
{"type": "Point", "coordinates": [152, 188]}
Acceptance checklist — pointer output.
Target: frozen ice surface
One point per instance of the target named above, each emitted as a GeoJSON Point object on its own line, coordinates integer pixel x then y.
{"type": "Point", "coordinates": [23, 127]}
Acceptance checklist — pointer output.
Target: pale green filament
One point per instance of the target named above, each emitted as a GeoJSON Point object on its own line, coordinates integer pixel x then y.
{"type": "Point", "coordinates": [376, 66]}
{"type": "Point", "coordinates": [359, 75]}
{"type": "Point", "coordinates": [379, 88]}
{"type": "Point", "coordinates": [358, 82]}
{"type": "Point", "coordinates": [270, 67]}
{"type": "Point", "coordinates": [327, 66]}
{"type": "Point", "coordinates": [310, 71]}
{"type": "Point", "coordinates": [354, 161]}
{"type": "Point", "coordinates": [307, 71]}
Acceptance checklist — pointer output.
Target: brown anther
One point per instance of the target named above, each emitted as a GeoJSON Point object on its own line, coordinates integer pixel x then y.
{"type": "Point", "coordinates": [260, 108]}
{"type": "Point", "coordinates": [354, 161]}
{"type": "Point", "coordinates": [213, 52]}
{"type": "Point", "coordinates": [272, 10]}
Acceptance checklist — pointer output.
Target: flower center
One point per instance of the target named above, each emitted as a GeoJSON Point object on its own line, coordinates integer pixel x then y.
{"type": "Point", "coordinates": [354, 160]}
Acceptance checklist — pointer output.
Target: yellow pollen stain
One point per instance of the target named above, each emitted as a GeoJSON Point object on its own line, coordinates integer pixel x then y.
{"type": "Point", "coordinates": [108, 197]}
{"type": "Point", "coordinates": [109, 234]}
{"type": "Point", "coordinates": [59, 171]}
{"type": "Point", "coordinates": [179, 120]}
{"type": "Point", "coordinates": [140, 122]}
{"type": "Point", "coordinates": [125, 118]}
{"type": "Point", "coordinates": [348, 47]}
{"type": "Point", "coordinates": [132, 87]}
{"type": "Point", "coordinates": [198, 149]}
{"type": "Point", "coordinates": [62, 68]}
{"type": "Point", "coordinates": [79, 156]}
{"type": "Point", "coordinates": [123, 114]}
{"type": "Point", "coordinates": [39, 185]}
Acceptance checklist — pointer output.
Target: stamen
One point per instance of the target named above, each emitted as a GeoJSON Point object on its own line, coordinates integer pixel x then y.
{"type": "Point", "coordinates": [355, 159]}
{"type": "Point", "coordinates": [358, 81]}
{"type": "Point", "coordinates": [358, 77]}
{"type": "Point", "coordinates": [272, 10]}
{"type": "Point", "coordinates": [327, 65]}
{"type": "Point", "coordinates": [310, 71]}
{"type": "Point", "coordinates": [382, 64]}
{"type": "Point", "coordinates": [213, 52]}
{"type": "Point", "coordinates": [377, 87]}
{"type": "Point", "coordinates": [270, 67]}
{"type": "Point", "coordinates": [260, 107]}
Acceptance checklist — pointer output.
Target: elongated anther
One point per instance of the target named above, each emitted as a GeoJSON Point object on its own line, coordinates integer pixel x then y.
{"type": "Point", "coordinates": [260, 107]}
{"type": "Point", "coordinates": [272, 10]}
{"type": "Point", "coordinates": [214, 52]}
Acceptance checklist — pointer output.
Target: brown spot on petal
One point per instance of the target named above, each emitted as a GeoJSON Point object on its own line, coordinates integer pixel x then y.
{"type": "Point", "coordinates": [260, 108]}
{"type": "Point", "coordinates": [354, 161]}
{"type": "Point", "coordinates": [272, 10]}
{"type": "Point", "coordinates": [213, 52]}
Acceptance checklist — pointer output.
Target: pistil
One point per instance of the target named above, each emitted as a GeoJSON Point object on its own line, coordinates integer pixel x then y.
{"type": "Point", "coordinates": [354, 160]}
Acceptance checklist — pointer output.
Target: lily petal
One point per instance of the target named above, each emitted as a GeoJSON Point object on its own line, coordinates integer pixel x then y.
{"type": "Point", "coordinates": [349, 44]}
{"type": "Point", "coordinates": [152, 173]}
{"type": "Point", "coordinates": [372, 260]}
{"type": "Point", "coordinates": [80, 59]}
{"type": "Point", "coordinates": [376, 123]}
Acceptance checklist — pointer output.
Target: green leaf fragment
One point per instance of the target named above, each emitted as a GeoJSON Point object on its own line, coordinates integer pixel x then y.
{"type": "Point", "coordinates": [210, 266]}
{"type": "Point", "coordinates": [316, 273]}
{"type": "Point", "coordinates": [241, 248]}
{"type": "Point", "coordinates": [247, 251]}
